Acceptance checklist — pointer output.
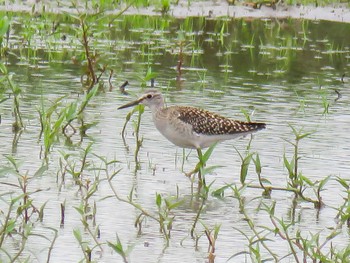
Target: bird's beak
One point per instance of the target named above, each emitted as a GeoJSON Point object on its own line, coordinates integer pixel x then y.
{"type": "Point", "coordinates": [130, 104]}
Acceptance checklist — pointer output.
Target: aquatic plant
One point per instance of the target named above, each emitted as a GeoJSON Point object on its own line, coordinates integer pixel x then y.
{"type": "Point", "coordinates": [4, 31]}
{"type": "Point", "coordinates": [18, 222]}
{"type": "Point", "coordinates": [16, 93]}
{"type": "Point", "coordinates": [45, 54]}
{"type": "Point", "coordinates": [117, 246]}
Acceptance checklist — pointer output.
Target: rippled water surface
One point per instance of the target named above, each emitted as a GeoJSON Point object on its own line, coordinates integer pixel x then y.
{"type": "Point", "coordinates": [282, 72]}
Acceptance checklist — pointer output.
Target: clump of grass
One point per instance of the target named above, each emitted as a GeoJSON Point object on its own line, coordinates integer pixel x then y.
{"type": "Point", "coordinates": [165, 6]}
{"type": "Point", "coordinates": [212, 236]}
{"type": "Point", "coordinates": [4, 33]}
{"type": "Point", "coordinates": [75, 111]}
{"type": "Point", "coordinates": [324, 101]}
{"type": "Point", "coordinates": [94, 70]}
{"type": "Point", "coordinates": [17, 223]}
{"type": "Point", "coordinates": [165, 207]}
{"type": "Point", "coordinates": [57, 118]}
{"type": "Point", "coordinates": [118, 247]}
{"type": "Point", "coordinates": [27, 209]}
{"type": "Point", "coordinates": [80, 167]}
{"type": "Point", "coordinates": [259, 238]}
{"type": "Point", "coordinates": [201, 169]}
{"type": "Point", "coordinates": [303, 247]}
{"type": "Point", "coordinates": [16, 93]}
{"type": "Point", "coordinates": [310, 245]}
{"type": "Point", "coordinates": [84, 245]}
{"type": "Point", "coordinates": [51, 125]}
{"type": "Point", "coordinates": [92, 78]}
{"type": "Point", "coordinates": [344, 209]}
{"type": "Point", "coordinates": [297, 183]}
{"type": "Point", "coordinates": [139, 109]}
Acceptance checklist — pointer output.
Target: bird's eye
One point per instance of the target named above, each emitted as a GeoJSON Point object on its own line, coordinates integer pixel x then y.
{"type": "Point", "coordinates": [149, 96]}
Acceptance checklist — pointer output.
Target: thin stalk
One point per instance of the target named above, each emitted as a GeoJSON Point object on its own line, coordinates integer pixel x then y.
{"type": "Point", "coordinates": [287, 238]}
{"type": "Point", "coordinates": [197, 217]}
{"type": "Point", "coordinates": [19, 253]}
{"type": "Point", "coordinates": [85, 42]}
{"type": "Point", "coordinates": [138, 140]}
{"type": "Point", "coordinates": [7, 219]}
{"type": "Point", "coordinates": [18, 117]}
{"type": "Point", "coordinates": [86, 225]}
{"type": "Point", "coordinates": [251, 224]}
{"type": "Point", "coordinates": [144, 212]}
{"type": "Point", "coordinates": [52, 244]}
{"type": "Point", "coordinates": [296, 161]}
{"type": "Point", "coordinates": [201, 163]}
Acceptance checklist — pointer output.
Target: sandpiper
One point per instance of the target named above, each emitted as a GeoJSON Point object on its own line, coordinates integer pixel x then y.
{"type": "Point", "coordinates": [190, 127]}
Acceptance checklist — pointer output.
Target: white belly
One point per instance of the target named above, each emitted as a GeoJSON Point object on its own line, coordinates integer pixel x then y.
{"type": "Point", "coordinates": [183, 136]}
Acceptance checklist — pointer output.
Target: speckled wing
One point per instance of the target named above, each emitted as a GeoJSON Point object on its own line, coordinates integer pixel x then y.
{"type": "Point", "coordinates": [208, 123]}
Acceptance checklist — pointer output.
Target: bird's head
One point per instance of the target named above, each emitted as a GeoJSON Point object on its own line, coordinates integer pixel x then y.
{"type": "Point", "coordinates": [152, 98]}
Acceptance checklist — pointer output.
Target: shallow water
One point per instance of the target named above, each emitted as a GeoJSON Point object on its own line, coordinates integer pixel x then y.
{"type": "Point", "coordinates": [280, 71]}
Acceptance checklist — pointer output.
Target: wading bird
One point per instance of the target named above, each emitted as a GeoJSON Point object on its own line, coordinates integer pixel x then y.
{"type": "Point", "coordinates": [190, 127]}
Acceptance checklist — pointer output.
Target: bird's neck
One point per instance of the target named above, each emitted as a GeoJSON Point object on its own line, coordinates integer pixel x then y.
{"type": "Point", "coordinates": [156, 108]}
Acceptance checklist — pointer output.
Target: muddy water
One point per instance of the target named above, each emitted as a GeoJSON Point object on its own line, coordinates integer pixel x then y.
{"type": "Point", "coordinates": [281, 72]}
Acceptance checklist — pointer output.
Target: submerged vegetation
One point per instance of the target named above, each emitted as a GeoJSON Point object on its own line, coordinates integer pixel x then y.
{"type": "Point", "coordinates": [78, 178]}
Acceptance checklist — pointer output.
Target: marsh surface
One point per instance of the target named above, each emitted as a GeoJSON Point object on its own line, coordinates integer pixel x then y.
{"type": "Point", "coordinates": [284, 72]}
